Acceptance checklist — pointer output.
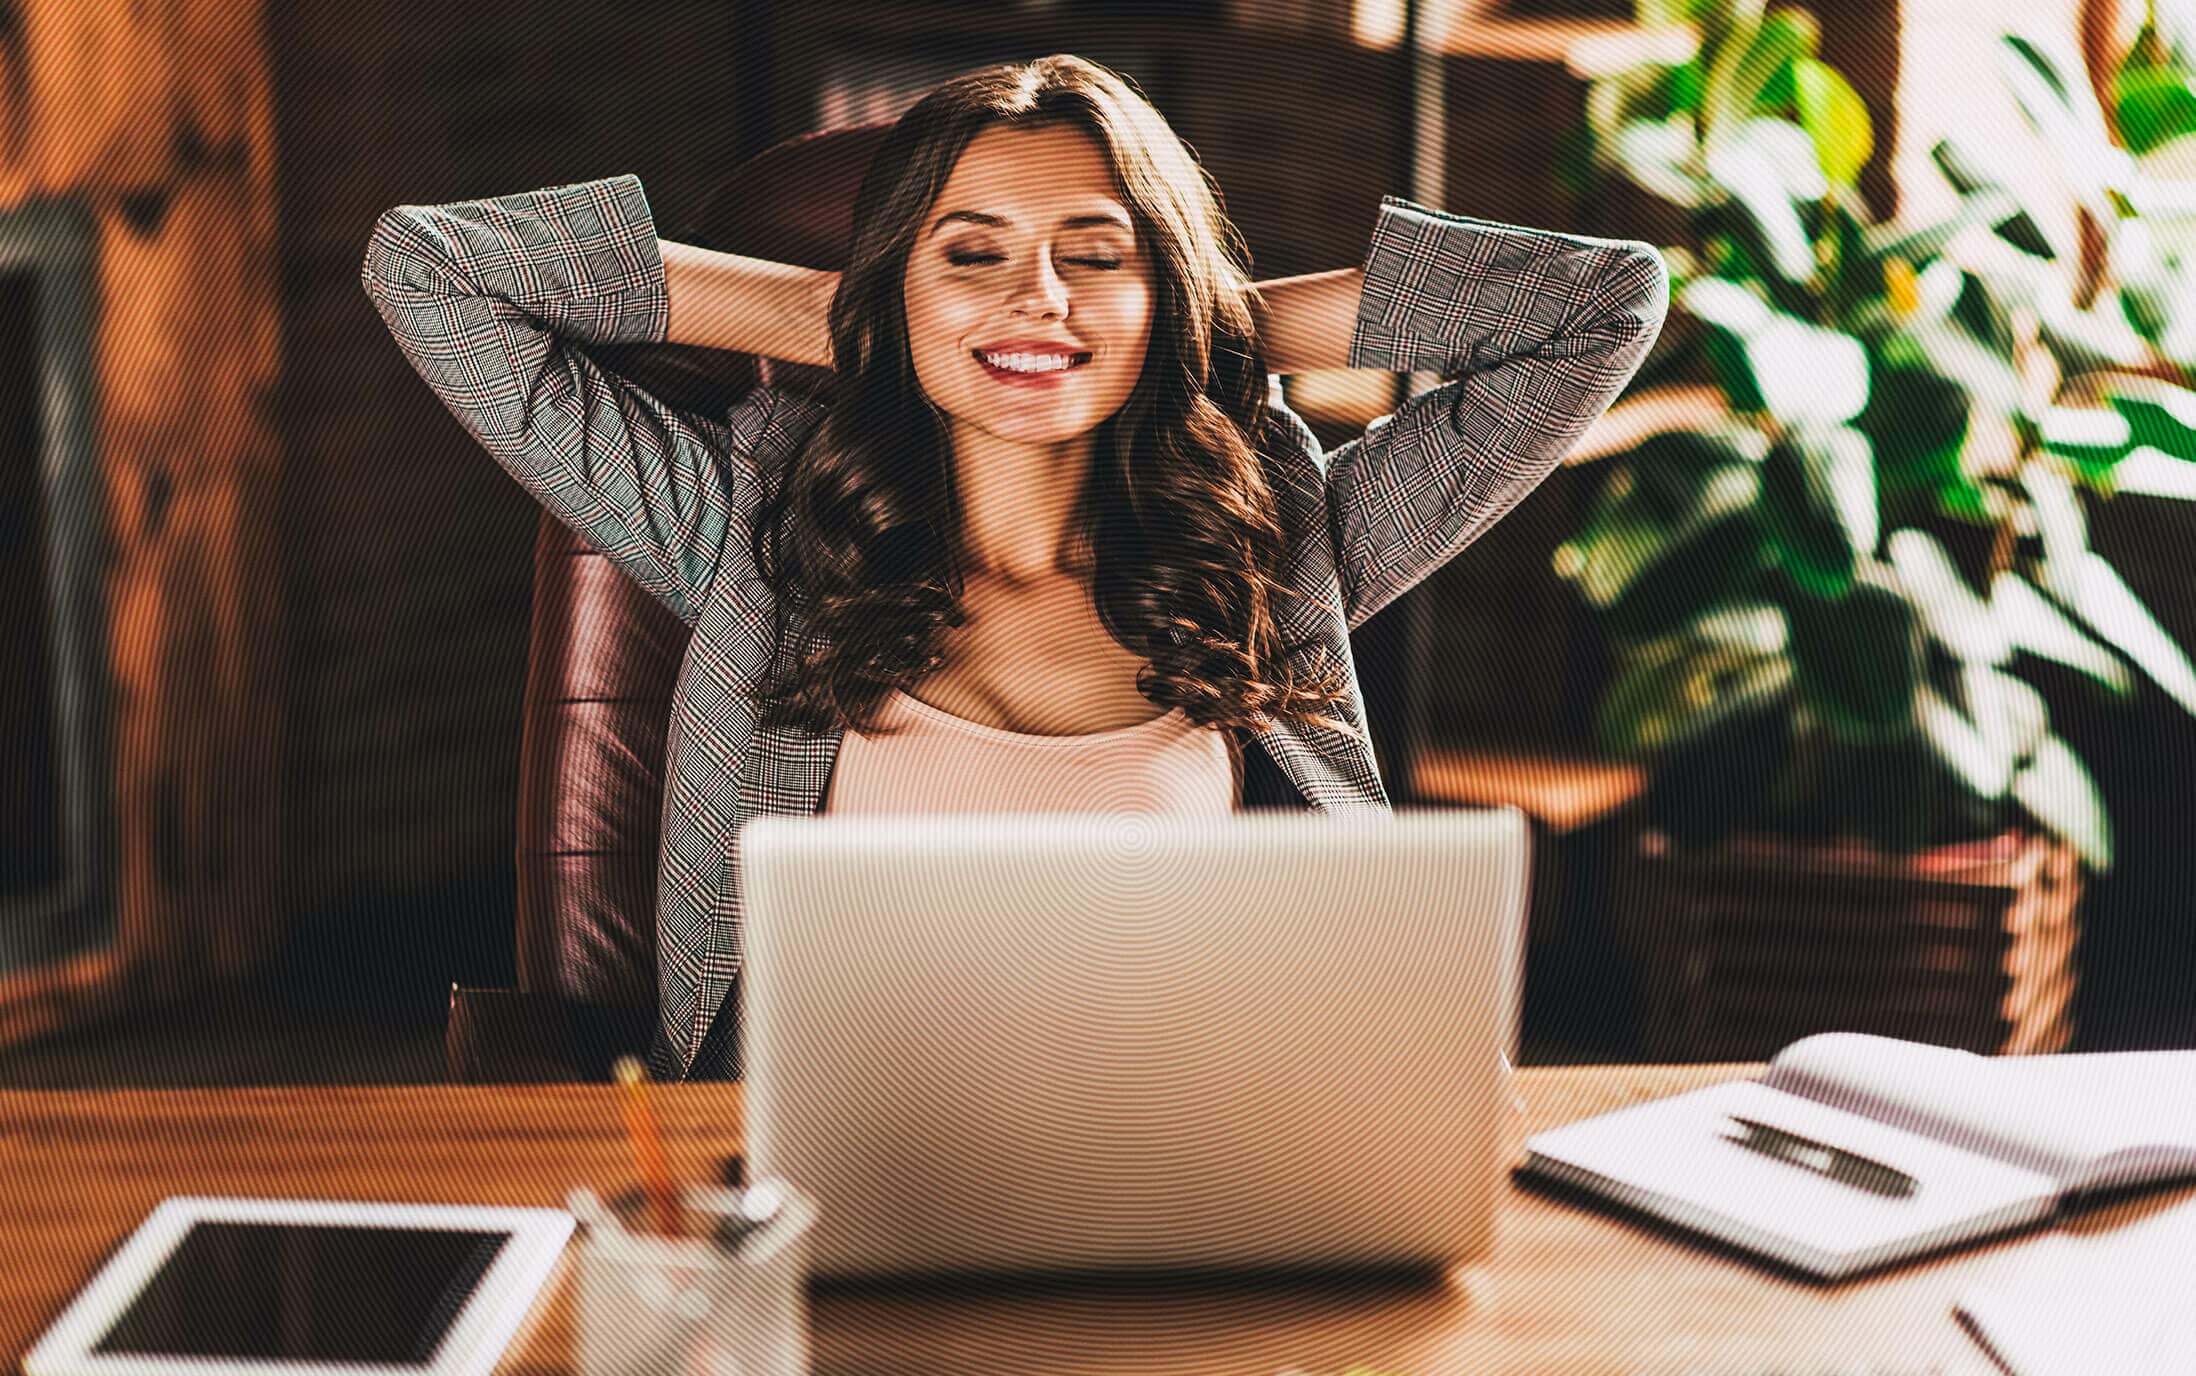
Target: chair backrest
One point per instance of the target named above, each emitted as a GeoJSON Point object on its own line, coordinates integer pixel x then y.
{"type": "Point", "coordinates": [605, 656]}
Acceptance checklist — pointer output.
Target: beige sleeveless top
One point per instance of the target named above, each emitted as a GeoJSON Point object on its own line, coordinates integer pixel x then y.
{"type": "Point", "coordinates": [937, 762]}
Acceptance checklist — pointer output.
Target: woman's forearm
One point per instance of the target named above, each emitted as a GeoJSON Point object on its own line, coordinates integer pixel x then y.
{"type": "Point", "coordinates": [748, 305]}
{"type": "Point", "coordinates": [1305, 322]}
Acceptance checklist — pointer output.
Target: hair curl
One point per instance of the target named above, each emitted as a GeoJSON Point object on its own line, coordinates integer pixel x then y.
{"type": "Point", "coordinates": [1177, 520]}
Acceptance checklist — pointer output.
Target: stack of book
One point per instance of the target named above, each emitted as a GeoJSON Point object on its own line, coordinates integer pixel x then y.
{"type": "Point", "coordinates": [1763, 941]}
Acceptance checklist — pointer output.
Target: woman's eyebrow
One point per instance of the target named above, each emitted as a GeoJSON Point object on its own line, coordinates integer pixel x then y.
{"type": "Point", "coordinates": [978, 217]}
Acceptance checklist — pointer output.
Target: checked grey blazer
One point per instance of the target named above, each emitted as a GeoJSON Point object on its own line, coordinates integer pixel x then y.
{"type": "Point", "coordinates": [495, 302]}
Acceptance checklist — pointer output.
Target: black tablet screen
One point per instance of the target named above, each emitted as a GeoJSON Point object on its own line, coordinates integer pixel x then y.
{"type": "Point", "coordinates": [305, 1292]}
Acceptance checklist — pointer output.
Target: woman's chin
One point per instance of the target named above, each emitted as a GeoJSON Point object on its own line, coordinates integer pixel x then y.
{"type": "Point", "coordinates": [1029, 427]}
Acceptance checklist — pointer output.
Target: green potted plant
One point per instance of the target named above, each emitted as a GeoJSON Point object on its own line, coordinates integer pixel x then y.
{"type": "Point", "coordinates": [1825, 604]}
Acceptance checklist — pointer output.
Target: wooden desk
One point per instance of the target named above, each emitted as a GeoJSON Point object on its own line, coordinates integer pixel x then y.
{"type": "Point", "coordinates": [1566, 1290]}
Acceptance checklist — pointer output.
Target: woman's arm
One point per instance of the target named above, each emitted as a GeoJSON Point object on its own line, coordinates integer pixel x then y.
{"type": "Point", "coordinates": [1538, 332]}
{"type": "Point", "coordinates": [495, 303]}
{"type": "Point", "coordinates": [1305, 322]}
{"type": "Point", "coordinates": [748, 305]}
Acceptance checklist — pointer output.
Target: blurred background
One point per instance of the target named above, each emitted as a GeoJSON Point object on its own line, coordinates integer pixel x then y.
{"type": "Point", "coordinates": [1841, 667]}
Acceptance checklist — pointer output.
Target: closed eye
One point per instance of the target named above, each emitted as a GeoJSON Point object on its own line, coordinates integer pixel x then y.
{"type": "Point", "coordinates": [966, 259]}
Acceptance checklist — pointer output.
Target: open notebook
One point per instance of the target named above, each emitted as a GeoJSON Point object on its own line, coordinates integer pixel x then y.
{"type": "Point", "coordinates": [1853, 1151]}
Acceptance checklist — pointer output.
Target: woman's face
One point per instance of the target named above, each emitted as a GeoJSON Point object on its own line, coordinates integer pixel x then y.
{"type": "Point", "coordinates": [1028, 251]}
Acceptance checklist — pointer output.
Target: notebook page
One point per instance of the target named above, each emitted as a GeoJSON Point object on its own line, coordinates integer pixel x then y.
{"type": "Point", "coordinates": [1988, 1105]}
{"type": "Point", "coordinates": [2143, 1103]}
{"type": "Point", "coordinates": [1674, 1158]}
{"type": "Point", "coordinates": [2112, 1301]}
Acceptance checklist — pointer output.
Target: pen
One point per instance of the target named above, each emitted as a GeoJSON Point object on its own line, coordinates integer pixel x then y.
{"type": "Point", "coordinates": [1836, 1163]}
{"type": "Point", "coordinates": [640, 1129]}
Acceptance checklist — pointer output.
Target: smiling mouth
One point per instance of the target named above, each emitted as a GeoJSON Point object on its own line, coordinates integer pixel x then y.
{"type": "Point", "coordinates": [1074, 361]}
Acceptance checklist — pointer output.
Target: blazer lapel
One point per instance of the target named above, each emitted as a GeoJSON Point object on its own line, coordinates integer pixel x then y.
{"type": "Point", "coordinates": [1333, 772]}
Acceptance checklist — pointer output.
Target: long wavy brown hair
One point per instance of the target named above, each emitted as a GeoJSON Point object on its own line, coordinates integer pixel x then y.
{"type": "Point", "coordinates": [1179, 534]}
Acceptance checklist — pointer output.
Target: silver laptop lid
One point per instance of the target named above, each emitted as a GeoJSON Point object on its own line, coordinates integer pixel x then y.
{"type": "Point", "coordinates": [1088, 1041]}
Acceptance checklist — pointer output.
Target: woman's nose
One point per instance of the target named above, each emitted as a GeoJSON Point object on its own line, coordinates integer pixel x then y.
{"type": "Point", "coordinates": [1039, 289]}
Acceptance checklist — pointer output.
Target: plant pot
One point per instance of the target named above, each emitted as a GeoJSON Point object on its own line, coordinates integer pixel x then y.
{"type": "Point", "coordinates": [1763, 939]}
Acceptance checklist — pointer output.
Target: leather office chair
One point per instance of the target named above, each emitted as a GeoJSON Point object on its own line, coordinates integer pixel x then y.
{"type": "Point", "coordinates": [603, 663]}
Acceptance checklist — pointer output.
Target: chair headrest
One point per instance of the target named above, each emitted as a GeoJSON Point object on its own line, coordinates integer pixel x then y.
{"type": "Point", "coordinates": [791, 203]}
{"type": "Point", "coordinates": [794, 201]}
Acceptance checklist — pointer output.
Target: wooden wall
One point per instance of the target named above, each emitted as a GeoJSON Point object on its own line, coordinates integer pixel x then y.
{"type": "Point", "coordinates": [156, 120]}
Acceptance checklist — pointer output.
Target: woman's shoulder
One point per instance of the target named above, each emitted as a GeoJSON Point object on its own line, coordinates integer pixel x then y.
{"type": "Point", "coordinates": [773, 420]}
{"type": "Point", "coordinates": [782, 404]}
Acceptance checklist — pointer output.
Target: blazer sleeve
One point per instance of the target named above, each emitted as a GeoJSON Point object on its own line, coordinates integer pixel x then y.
{"type": "Point", "coordinates": [1536, 333]}
{"type": "Point", "coordinates": [493, 303]}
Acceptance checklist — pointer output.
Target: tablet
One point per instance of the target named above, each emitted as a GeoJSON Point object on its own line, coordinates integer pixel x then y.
{"type": "Point", "coordinates": [307, 1287]}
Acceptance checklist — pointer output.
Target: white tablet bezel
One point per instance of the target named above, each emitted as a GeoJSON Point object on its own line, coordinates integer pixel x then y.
{"type": "Point", "coordinates": [482, 1328]}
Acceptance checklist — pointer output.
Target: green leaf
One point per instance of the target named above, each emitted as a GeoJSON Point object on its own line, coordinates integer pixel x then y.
{"type": "Point", "coordinates": [1616, 98]}
{"type": "Point", "coordinates": [1917, 420]}
{"type": "Point", "coordinates": [2112, 610]}
{"type": "Point", "coordinates": [2094, 441]}
{"type": "Point", "coordinates": [2155, 105]}
{"type": "Point", "coordinates": [1954, 615]}
{"type": "Point", "coordinates": [2022, 232]}
{"type": "Point", "coordinates": [1808, 375]}
{"type": "Point", "coordinates": [1965, 502]}
{"type": "Point", "coordinates": [1656, 499]}
{"type": "Point", "coordinates": [1956, 159]}
{"type": "Point", "coordinates": [2158, 414]}
{"type": "Point", "coordinates": [2016, 210]}
{"type": "Point", "coordinates": [1835, 118]}
{"type": "Point", "coordinates": [2047, 86]}
{"type": "Point", "coordinates": [1818, 507]}
{"type": "Point", "coordinates": [2059, 84]}
{"type": "Point", "coordinates": [1978, 311]}
{"type": "Point", "coordinates": [1680, 690]}
{"type": "Point", "coordinates": [1856, 275]}
{"type": "Point", "coordinates": [1766, 169]}
{"type": "Point", "coordinates": [1982, 762]}
{"type": "Point", "coordinates": [2157, 292]}
{"type": "Point", "coordinates": [1751, 56]}
{"type": "Point", "coordinates": [1710, 566]}
{"type": "Point", "coordinates": [1677, 472]}
{"type": "Point", "coordinates": [1859, 660]}
{"type": "Point", "coordinates": [1719, 18]}
{"type": "Point", "coordinates": [1684, 87]}
{"type": "Point", "coordinates": [2063, 526]}
{"type": "Point", "coordinates": [2058, 792]}
{"type": "Point", "coordinates": [2036, 625]}
{"type": "Point", "coordinates": [1655, 14]}
{"type": "Point", "coordinates": [1727, 355]}
{"type": "Point", "coordinates": [1656, 156]}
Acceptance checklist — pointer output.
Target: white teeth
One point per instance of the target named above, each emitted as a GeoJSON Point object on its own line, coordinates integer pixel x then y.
{"type": "Point", "coordinates": [1028, 363]}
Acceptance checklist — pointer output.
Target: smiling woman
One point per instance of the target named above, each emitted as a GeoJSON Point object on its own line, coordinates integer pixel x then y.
{"type": "Point", "coordinates": [1050, 397]}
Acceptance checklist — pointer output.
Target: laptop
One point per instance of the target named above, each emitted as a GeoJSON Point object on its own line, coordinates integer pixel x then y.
{"type": "Point", "coordinates": [1104, 1042]}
